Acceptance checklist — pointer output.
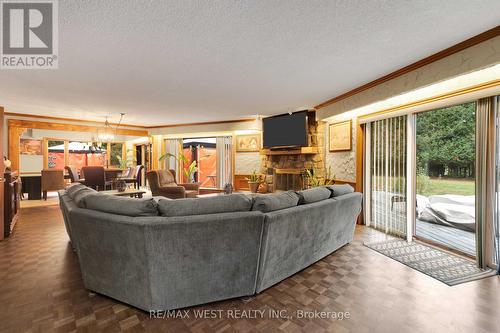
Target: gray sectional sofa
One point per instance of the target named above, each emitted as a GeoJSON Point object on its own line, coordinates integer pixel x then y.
{"type": "Point", "coordinates": [160, 254]}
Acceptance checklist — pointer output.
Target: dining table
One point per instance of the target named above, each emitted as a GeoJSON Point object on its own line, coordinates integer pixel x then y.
{"type": "Point", "coordinates": [32, 181]}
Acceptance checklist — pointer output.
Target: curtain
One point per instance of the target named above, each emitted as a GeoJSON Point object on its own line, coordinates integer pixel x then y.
{"type": "Point", "coordinates": [173, 147]}
{"type": "Point", "coordinates": [224, 147]}
{"type": "Point", "coordinates": [388, 175]}
{"type": "Point", "coordinates": [496, 225]}
{"type": "Point", "coordinates": [485, 180]}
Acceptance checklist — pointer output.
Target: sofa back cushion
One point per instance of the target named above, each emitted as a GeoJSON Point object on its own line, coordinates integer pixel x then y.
{"type": "Point", "coordinates": [73, 188]}
{"type": "Point", "coordinates": [120, 205]}
{"type": "Point", "coordinates": [80, 194]}
{"type": "Point", "coordinates": [338, 190]}
{"type": "Point", "coordinates": [313, 195]}
{"type": "Point", "coordinates": [200, 206]}
{"type": "Point", "coordinates": [166, 178]}
{"type": "Point", "coordinates": [275, 201]}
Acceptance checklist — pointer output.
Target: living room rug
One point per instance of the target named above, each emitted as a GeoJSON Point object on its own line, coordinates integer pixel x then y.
{"type": "Point", "coordinates": [443, 266]}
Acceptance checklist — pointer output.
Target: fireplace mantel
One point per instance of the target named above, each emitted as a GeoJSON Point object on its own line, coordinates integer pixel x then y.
{"type": "Point", "coordinates": [298, 151]}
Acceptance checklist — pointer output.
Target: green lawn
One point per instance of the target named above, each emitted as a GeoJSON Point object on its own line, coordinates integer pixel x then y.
{"type": "Point", "coordinates": [449, 186]}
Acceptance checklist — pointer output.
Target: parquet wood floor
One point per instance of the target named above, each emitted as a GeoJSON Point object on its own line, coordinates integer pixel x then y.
{"type": "Point", "coordinates": [41, 291]}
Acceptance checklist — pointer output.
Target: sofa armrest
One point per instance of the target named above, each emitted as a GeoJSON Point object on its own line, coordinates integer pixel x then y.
{"type": "Point", "coordinates": [190, 186]}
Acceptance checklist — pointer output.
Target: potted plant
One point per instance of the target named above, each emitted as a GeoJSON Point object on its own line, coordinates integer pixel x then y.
{"type": "Point", "coordinates": [312, 179]}
{"type": "Point", "coordinates": [188, 171]}
{"type": "Point", "coordinates": [254, 181]}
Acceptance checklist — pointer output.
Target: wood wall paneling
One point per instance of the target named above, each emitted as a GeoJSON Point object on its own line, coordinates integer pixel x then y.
{"type": "Point", "coordinates": [70, 127]}
{"type": "Point", "coordinates": [2, 171]}
{"type": "Point", "coordinates": [13, 114]}
{"type": "Point", "coordinates": [203, 123]}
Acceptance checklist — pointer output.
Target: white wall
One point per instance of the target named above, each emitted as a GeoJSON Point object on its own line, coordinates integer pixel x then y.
{"type": "Point", "coordinates": [342, 164]}
{"type": "Point", "coordinates": [247, 163]}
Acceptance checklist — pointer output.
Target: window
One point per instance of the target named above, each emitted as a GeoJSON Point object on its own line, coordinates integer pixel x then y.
{"type": "Point", "coordinates": [97, 154]}
{"type": "Point", "coordinates": [55, 158]}
{"type": "Point", "coordinates": [78, 154]}
{"type": "Point", "coordinates": [115, 154]}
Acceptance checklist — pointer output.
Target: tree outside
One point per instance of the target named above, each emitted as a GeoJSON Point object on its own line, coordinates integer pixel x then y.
{"type": "Point", "coordinates": [446, 150]}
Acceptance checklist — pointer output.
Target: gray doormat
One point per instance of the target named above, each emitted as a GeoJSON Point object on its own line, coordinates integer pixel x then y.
{"type": "Point", "coordinates": [442, 266]}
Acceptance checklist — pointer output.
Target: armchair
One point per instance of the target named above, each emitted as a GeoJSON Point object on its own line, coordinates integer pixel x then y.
{"type": "Point", "coordinates": [162, 183]}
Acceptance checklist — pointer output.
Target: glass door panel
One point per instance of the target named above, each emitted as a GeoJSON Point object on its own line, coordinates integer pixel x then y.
{"type": "Point", "coordinates": [445, 177]}
{"type": "Point", "coordinates": [388, 175]}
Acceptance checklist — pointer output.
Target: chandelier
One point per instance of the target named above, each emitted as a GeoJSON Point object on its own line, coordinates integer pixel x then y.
{"type": "Point", "coordinates": [107, 133]}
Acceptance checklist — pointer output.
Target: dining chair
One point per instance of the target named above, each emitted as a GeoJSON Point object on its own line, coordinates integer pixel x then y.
{"type": "Point", "coordinates": [73, 174]}
{"type": "Point", "coordinates": [95, 177]}
{"type": "Point", "coordinates": [52, 180]}
{"type": "Point", "coordinates": [136, 177]}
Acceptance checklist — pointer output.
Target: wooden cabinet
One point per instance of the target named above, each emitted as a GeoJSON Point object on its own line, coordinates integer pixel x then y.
{"type": "Point", "coordinates": [12, 200]}
{"type": "Point", "coordinates": [241, 182]}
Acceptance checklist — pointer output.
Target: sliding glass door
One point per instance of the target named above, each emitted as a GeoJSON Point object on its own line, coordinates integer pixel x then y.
{"type": "Point", "coordinates": [434, 176]}
{"type": "Point", "coordinates": [445, 177]}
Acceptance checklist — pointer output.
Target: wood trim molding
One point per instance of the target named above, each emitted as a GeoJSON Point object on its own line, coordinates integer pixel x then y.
{"type": "Point", "coordinates": [489, 34]}
{"type": "Point", "coordinates": [13, 114]}
{"type": "Point", "coordinates": [69, 127]}
{"type": "Point", "coordinates": [459, 92]}
{"type": "Point", "coordinates": [14, 134]}
{"type": "Point", "coordinates": [156, 141]}
{"type": "Point", "coordinates": [360, 152]}
{"type": "Point", "coordinates": [204, 123]}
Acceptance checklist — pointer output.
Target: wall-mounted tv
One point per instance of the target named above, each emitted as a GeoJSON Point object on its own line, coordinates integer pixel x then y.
{"type": "Point", "coordinates": [286, 130]}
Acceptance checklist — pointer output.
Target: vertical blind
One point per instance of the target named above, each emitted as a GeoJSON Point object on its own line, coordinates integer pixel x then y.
{"type": "Point", "coordinates": [388, 175]}
{"type": "Point", "coordinates": [224, 147]}
{"type": "Point", "coordinates": [173, 147]}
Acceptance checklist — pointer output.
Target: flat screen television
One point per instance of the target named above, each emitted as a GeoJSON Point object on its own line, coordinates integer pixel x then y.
{"type": "Point", "coordinates": [286, 130]}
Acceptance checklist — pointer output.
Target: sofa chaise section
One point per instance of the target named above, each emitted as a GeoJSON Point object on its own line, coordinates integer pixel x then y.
{"type": "Point", "coordinates": [298, 236]}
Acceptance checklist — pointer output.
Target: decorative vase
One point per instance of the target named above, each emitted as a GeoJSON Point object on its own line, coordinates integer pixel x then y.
{"type": "Point", "coordinates": [228, 188]}
{"type": "Point", "coordinates": [254, 186]}
{"type": "Point", "coordinates": [263, 188]}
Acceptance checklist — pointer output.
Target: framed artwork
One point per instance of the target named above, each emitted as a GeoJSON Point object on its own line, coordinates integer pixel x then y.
{"type": "Point", "coordinates": [250, 142]}
{"type": "Point", "coordinates": [340, 136]}
{"type": "Point", "coordinates": [30, 147]}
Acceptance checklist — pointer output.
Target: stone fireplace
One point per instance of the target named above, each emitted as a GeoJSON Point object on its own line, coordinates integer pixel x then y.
{"type": "Point", "coordinates": [284, 169]}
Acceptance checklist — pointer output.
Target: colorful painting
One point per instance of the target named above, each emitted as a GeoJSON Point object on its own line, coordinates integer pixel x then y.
{"type": "Point", "coordinates": [340, 136]}
{"type": "Point", "coordinates": [30, 147]}
{"type": "Point", "coordinates": [250, 142]}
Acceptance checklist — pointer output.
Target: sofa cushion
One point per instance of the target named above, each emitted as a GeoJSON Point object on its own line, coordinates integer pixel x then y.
{"type": "Point", "coordinates": [338, 190]}
{"type": "Point", "coordinates": [80, 194]}
{"type": "Point", "coordinates": [236, 202]}
{"type": "Point", "coordinates": [313, 195]}
{"type": "Point", "coordinates": [73, 188]}
{"type": "Point", "coordinates": [275, 201]}
{"type": "Point", "coordinates": [121, 205]}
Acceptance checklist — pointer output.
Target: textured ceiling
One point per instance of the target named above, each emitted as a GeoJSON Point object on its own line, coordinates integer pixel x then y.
{"type": "Point", "coordinates": [167, 62]}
